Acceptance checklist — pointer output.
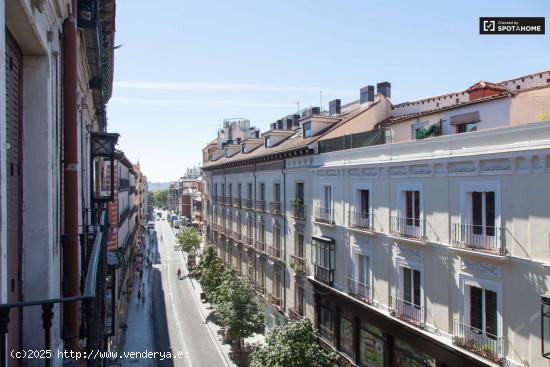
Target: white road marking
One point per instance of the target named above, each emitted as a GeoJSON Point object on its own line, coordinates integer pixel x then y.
{"type": "Point", "coordinates": [178, 322]}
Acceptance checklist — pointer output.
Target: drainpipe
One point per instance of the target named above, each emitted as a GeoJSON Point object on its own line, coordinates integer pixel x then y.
{"type": "Point", "coordinates": [283, 170]}
{"type": "Point", "coordinates": [71, 272]}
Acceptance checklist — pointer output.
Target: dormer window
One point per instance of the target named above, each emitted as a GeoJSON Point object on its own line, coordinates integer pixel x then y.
{"type": "Point", "coordinates": [266, 141]}
{"type": "Point", "coordinates": [307, 130]}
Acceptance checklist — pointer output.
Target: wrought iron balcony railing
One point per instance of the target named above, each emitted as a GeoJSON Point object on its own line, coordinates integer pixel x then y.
{"type": "Point", "coordinates": [486, 239]}
{"type": "Point", "coordinates": [326, 333]}
{"type": "Point", "coordinates": [236, 236]}
{"type": "Point", "coordinates": [247, 241]}
{"type": "Point", "coordinates": [260, 205]}
{"type": "Point", "coordinates": [237, 202]}
{"type": "Point", "coordinates": [259, 246]}
{"type": "Point", "coordinates": [296, 313]}
{"type": "Point", "coordinates": [298, 264]}
{"type": "Point", "coordinates": [361, 221]}
{"type": "Point", "coordinates": [275, 207]}
{"type": "Point", "coordinates": [407, 311]}
{"type": "Point", "coordinates": [324, 215]}
{"type": "Point", "coordinates": [359, 290]}
{"type": "Point", "coordinates": [478, 341]}
{"type": "Point", "coordinates": [323, 274]}
{"type": "Point", "coordinates": [298, 211]}
{"type": "Point", "coordinates": [408, 228]}
{"type": "Point", "coordinates": [92, 298]}
{"type": "Point", "coordinates": [247, 203]}
{"type": "Point", "coordinates": [274, 300]}
{"type": "Point", "coordinates": [274, 252]}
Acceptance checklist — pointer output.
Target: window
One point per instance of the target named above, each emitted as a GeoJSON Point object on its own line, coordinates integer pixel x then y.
{"type": "Point", "coordinates": [323, 257]}
{"type": "Point", "coordinates": [262, 192]}
{"type": "Point", "coordinates": [261, 275]}
{"type": "Point", "coordinates": [249, 227]}
{"type": "Point", "coordinates": [307, 130]}
{"type": "Point", "coordinates": [364, 203]}
{"type": "Point", "coordinates": [230, 193]}
{"type": "Point", "coordinates": [239, 193]}
{"type": "Point", "coordinates": [482, 312]}
{"type": "Point", "coordinates": [327, 197]}
{"type": "Point", "coordinates": [465, 128]}
{"type": "Point", "coordinates": [371, 346]}
{"type": "Point", "coordinates": [261, 231]}
{"type": "Point", "coordinates": [239, 225]}
{"type": "Point", "coordinates": [276, 283]}
{"type": "Point", "coordinates": [326, 323]}
{"type": "Point", "coordinates": [483, 213]}
{"type": "Point", "coordinates": [299, 250]}
{"type": "Point", "coordinates": [266, 141]}
{"type": "Point", "coordinates": [223, 190]}
{"type": "Point", "coordinates": [407, 356]}
{"type": "Point", "coordinates": [277, 193]}
{"type": "Point", "coordinates": [412, 208]}
{"type": "Point", "coordinates": [362, 269]}
{"type": "Point", "coordinates": [299, 300]}
{"type": "Point", "coordinates": [249, 191]}
{"type": "Point", "coordinates": [277, 236]}
{"type": "Point", "coordinates": [300, 191]}
{"type": "Point", "coordinates": [410, 287]}
{"type": "Point", "coordinates": [215, 189]}
{"type": "Point", "coordinates": [346, 335]}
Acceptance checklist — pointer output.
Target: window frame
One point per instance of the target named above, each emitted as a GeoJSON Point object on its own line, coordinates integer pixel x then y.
{"type": "Point", "coordinates": [401, 263]}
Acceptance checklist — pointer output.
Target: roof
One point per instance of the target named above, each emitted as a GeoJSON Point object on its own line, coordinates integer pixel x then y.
{"type": "Point", "coordinates": [294, 142]}
{"type": "Point", "coordinates": [485, 85]}
{"type": "Point", "coordinates": [458, 105]}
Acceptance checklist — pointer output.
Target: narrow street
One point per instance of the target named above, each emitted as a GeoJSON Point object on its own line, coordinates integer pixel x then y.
{"type": "Point", "coordinates": [178, 324]}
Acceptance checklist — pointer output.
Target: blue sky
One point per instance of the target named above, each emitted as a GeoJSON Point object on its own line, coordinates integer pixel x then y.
{"type": "Point", "coordinates": [186, 65]}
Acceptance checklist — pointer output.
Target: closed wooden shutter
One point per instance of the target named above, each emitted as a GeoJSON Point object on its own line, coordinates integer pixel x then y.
{"type": "Point", "coordinates": [14, 84]}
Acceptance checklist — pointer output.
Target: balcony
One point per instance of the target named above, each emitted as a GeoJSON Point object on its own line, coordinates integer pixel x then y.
{"type": "Point", "coordinates": [324, 215]}
{"type": "Point", "coordinates": [260, 205]}
{"type": "Point", "coordinates": [260, 289]}
{"type": "Point", "coordinates": [226, 200]}
{"type": "Point", "coordinates": [298, 264]}
{"type": "Point", "coordinates": [323, 274]}
{"type": "Point", "coordinates": [361, 221]}
{"type": "Point", "coordinates": [247, 203]}
{"type": "Point", "coordinates": [237, 202]}
{"type": "Point", "coordinates": [275, 208]}
{"type": "Point", "coordinates": [298, 212]}
{"type": "Point", "coordinates": [274, 252]}
{"type": "Point", "coordinates": [295, 313]}
{"type": "Point", "coordinates": [478, 341]}
{"type": "Point", "coordinates": [236, 236]}
{"type": "Point", "coordinates": [359, 290]}
{"type": "Point", "coordinates": [483, 239]}
{"type": "Point", "coordinates": [274, 300]}
{"type": "Point", "coordinates": [407, 228]}
{"type": "Point", "coordinates": [260, 246]}
{"type": "Point", "coordinates": [407, 311]}
{"type": "Point", "coordinates": [247, 241]}
{"type": "Point", "coordinates": [326, 334]}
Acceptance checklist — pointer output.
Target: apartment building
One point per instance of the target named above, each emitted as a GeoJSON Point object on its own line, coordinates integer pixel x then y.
{"type": "Point", "coordinates": [428, 250]}
{"type": "Point", "coordinates": [408, 233]}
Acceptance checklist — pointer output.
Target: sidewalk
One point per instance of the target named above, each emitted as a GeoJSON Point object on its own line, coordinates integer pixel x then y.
{"type": "Point", "coordinates": [139, 335]}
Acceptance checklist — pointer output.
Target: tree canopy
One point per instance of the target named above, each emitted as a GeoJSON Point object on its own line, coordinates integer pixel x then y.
{"type": "Point", "coordinates": [188, 240]}
{"type": "Point", "coordinates": [159, 198]}
{"type": "Point", "coordinates": [293, 345]}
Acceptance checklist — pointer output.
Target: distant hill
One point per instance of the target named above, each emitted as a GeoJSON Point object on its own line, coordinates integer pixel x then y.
{"type": "Point", "coordinates": [154, 186]}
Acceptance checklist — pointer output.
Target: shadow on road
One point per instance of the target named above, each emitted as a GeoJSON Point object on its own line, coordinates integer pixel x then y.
{"type": "Point", "coordinates": [162, 339]}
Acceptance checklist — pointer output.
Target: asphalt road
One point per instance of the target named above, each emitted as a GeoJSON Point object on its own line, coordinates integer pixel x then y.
{"type": "Point", "coordinates": [178, 323]}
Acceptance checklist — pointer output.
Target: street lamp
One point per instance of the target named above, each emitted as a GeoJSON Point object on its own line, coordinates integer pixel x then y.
{"type": "Point", "coordinates": [545, 325]}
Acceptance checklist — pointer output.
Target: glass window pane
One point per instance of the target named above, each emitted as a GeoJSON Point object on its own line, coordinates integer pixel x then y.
{"type": "Point", "coordinates": [346, 336]}
{"type": "Point", "coordinates": [407, 356]}
{"type": "Point", "coordinates": [491, 312]}
{"type": "Point", "coordinates": [476, 307]}
{"type": "Point", "coordinates": [371, 346]}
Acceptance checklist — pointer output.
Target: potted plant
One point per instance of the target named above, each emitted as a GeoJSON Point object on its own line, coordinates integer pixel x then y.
{"type": "Point", "coordinates": [295, 202]}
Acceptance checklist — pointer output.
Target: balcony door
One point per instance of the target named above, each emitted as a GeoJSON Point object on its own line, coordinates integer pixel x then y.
{"type": "Point", "coordinates": [482, 219]}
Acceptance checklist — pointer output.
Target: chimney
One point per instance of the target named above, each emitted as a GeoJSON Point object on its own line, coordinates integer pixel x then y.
{"type": "Point", "coordinates": [334, 106]}
{"type": "Point", "coordinates": [273, 126]}
{"type": "Point", "coordinates": [384, 88]}
{"type": "Point", "coordinates": [366, 94]}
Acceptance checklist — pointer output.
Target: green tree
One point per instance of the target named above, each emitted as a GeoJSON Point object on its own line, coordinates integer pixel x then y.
{"type": "Point", "coordinates": [210, 272]}
{"type": "Point", "coordinates": [159, 198]}
{"type": "Point", "coordinates": [294, 345]}
{"type": "Point", "coordinates": [188, 240]}
{"type": "Point", "coordinates": [238, 308]}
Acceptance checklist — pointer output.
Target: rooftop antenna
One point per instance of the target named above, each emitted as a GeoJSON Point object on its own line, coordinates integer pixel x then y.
{"type": "Point", "coordinates": [298, 103]}
{"type": "Point", "coordinates": [321, 97]}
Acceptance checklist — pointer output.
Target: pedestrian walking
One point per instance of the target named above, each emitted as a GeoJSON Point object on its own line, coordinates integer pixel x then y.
{"type": "Point", "coordinates": [140, 274]}
{"type": "Point", "coordinates": [139, 295]}
{"type": "Point", "coordinates": [143, 294]}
